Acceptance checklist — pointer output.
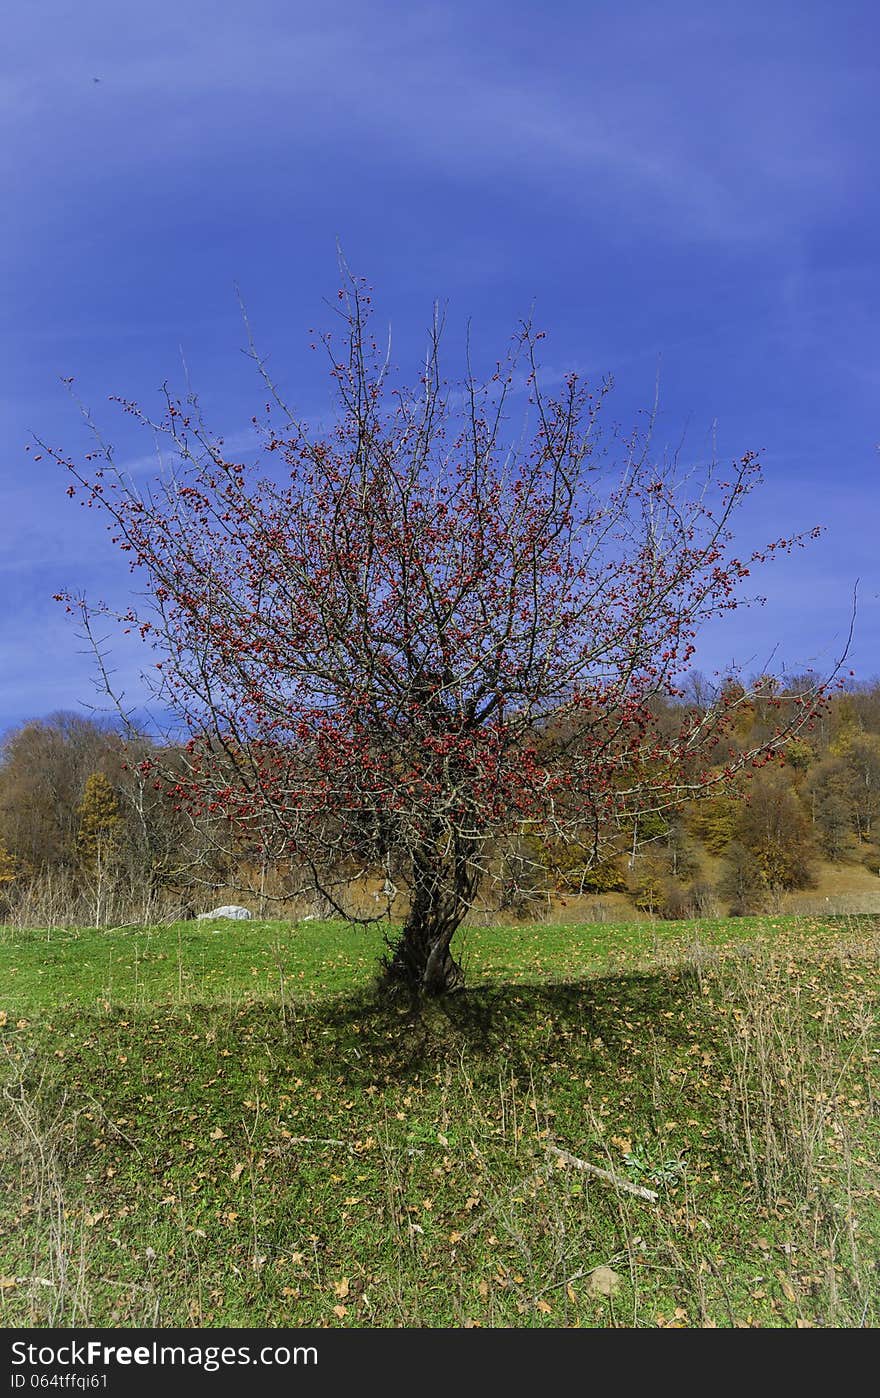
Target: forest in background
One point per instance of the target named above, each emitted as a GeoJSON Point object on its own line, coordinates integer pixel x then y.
{"type": "Point", "coordinates": [88, 836]}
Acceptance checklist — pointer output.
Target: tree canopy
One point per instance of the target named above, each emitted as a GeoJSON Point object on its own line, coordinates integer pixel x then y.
{"type": "Point", "coordinates": [410, 642]}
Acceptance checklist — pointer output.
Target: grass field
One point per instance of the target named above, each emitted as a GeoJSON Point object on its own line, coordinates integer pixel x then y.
{"type": "Point", "coordinates": [219, 1125]}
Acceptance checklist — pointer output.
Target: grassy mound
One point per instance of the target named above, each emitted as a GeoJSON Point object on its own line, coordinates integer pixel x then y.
{"type": "Point", "coordinates": [225, 1127]}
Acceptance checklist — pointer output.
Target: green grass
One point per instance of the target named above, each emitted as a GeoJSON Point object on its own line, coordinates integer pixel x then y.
{"type": "Point", "coordinates": [227, 962]}
{"type": "Point", "coordinates": [229, 1129]}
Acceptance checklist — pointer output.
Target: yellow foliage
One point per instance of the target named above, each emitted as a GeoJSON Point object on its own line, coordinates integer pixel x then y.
{"type": "Point", "coordinates": [100, 822]}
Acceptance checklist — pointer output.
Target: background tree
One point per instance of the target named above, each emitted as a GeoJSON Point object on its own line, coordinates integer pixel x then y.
{"type": "Point", "coordinates": [861, 760]}
{"type": "Point", "coordinates": [662, 879]}
{"type": "Point", "coordinates": [399, 643]}
{"type": "Point", "coordinates": [98, 840]}
{"type": "Point", "coordinates": [9, 873]}
{"type": "Point", "coordinates": [831, 808]}
{"type": "Point", "coordinates": [773, 828]}
{"type": "Point", "coordinates": [742, 881]}
{"type": "Point", "coordinates": [713, 821]}
{"type": "Point", "coordinates": [44, 765]}
{"type": "Point", "coordinates": [99, 823]}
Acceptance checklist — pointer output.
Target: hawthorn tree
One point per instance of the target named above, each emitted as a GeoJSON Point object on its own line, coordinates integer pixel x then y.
{"type": "Point", "coordinates": [404, 643]}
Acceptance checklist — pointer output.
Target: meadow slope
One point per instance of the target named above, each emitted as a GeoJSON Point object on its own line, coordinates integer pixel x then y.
{"type": "Point", "coordinates": [220, 1125]}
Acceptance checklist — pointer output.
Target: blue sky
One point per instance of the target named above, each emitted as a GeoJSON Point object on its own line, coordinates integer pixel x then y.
{"type": "Point", "coordinates": [685, 189]}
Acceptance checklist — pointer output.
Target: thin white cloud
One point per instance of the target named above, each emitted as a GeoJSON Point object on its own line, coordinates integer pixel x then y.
{"type": "Point", "coordinates": [702, 128]}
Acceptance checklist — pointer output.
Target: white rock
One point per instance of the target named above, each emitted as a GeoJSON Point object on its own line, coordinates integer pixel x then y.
{"type": "Point", "coordinates": [602, 1281]}
{"type": "Point", "coordinates": [230, 910]}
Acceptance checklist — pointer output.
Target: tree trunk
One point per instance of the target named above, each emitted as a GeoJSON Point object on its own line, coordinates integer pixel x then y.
{"type": "Point", "coordinates": [421, 961]}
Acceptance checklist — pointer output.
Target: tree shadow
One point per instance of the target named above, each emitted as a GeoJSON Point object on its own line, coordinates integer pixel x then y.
{"type": "Point", "coordinates": [519, 1023]}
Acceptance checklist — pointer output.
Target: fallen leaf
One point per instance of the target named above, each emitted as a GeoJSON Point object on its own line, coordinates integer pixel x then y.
{"type": "Point", "coordinates": [341, 1288]}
